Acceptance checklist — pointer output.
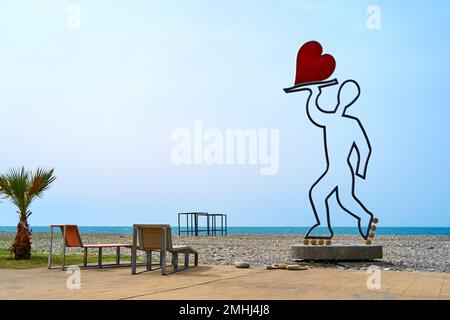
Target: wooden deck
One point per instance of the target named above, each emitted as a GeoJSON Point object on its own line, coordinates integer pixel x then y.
{"type": "Point", "coordinates": [222, 282]}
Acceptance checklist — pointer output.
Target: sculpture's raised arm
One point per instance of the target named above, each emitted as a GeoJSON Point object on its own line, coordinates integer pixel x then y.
{"type": "Point", "coordinates": [318, 116]}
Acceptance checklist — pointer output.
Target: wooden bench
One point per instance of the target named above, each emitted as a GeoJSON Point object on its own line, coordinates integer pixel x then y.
{"type": "Point", "coordinates": [151, 237]}
{"type": "Point", "coordinates": [72, 239]}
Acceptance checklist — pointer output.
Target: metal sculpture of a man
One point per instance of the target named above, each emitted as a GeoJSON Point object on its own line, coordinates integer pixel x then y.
{"type": "Point", "coordinates": [343, 137]}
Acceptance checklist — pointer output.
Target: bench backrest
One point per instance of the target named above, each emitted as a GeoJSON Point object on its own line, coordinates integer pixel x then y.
{"type": "Point", "coordinates": [151, 237]}
{"type": "Point", "coordinates": [73, 238]}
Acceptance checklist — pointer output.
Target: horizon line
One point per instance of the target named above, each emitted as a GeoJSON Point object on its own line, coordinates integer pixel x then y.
{"type": "Point", "coordinates": [129, 226]}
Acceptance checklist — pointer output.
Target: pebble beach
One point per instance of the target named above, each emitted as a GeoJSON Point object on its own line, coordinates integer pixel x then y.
{"type": "Point", "coordinates": [402, 253]}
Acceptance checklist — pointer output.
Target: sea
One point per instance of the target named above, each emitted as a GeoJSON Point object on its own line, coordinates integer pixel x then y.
{"type": "Point", "coordinates": [419, 231]}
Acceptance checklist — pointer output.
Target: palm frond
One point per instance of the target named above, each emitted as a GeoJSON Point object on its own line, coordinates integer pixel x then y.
{"type": "Point", "coordinates": [41, 180]}
{"type": "Point", "coordinates": [14, 184]}
{"type": "Point", "coordinates": [21, 186]}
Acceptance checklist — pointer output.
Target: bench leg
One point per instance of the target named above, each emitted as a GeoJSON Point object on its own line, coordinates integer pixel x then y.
{"type": "Point", "coordinates": [134, 252]}
{"type": "Point", "coordinates": [64, 250]}
{"type": "Point", "coordinates": [85, 257]}
{"type": "Point", "coordinates": [100, 256]}
{"type": "Point", "coordinates": [175, 261]}
{"type": "Point", "coordinates": [163, 262]}
{"type": "Point", "coordinates": [186, 259]}
{"type": "Point", "coordinates": [118, 255]}
{"type": "Point", "coordinates": [51, 247]}
{"type": "Point", "coordinates": [64, 258]}
{"type": "Point", "coordinates": [149, 260]}
{"type": "Point", "coordinates": [133, 260]}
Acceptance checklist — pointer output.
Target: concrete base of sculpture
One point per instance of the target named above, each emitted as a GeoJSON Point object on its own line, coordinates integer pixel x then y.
{"type": "Point", "coordinates": [336, 251]}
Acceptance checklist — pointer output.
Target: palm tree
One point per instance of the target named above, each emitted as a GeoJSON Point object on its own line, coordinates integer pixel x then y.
{"type": "Point", "coordinates": [22, 187]}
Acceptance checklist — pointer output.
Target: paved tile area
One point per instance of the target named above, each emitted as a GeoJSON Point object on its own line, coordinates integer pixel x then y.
{"type": "Point", "coordinates": [222, 282]}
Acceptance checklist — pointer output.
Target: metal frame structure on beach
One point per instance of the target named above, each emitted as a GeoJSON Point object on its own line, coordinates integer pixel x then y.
{"type": "Point", "coordinates": [192, 224]}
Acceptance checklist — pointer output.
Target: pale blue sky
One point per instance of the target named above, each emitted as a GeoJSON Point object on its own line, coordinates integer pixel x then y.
{"type": "Point", "coordinates": [99, 104]}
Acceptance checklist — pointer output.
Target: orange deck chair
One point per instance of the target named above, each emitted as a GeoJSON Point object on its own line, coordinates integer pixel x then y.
{"type": "Point", "coordinates": [72, 239]}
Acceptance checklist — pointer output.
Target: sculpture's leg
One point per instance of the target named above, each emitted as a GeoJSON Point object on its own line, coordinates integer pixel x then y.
{"type": "Point", "coordinates": [319, 194]}
{"type": "Point", "coordinates": [353, 206]}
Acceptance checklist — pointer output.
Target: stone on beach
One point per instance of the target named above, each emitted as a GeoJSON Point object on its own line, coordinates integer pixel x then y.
{"type": "Point", "coordinates": [280, 265]}
{"type": "Point", "coordinates": [296, 267]}
{"type": "Point", "coordinates": [242, 264]}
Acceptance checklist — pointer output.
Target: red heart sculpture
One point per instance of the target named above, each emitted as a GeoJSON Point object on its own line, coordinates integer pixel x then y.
{"type": "Point", "coordinates": [312, 65]}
